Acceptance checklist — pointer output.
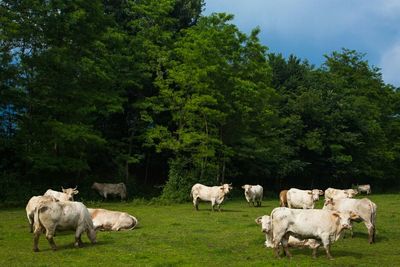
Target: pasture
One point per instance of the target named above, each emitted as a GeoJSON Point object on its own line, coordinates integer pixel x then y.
{"type": "Point", "coordinates": [177, 235]}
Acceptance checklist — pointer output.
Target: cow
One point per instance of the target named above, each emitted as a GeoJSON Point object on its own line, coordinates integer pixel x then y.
{"type": "Point", "coordinates": [34, 202]}
{"type": "Point", "coordinates": [51, 216]}
{"type": "Point", "coordinates": [365, 208]}
{"type": "Point", "coordinates": [215, 194]}
{"type": "Point", "coordinates": [304, 199]}
{"type": "Point", "coordinates": [112, 220]}
{"type": "Point", "coordinates": [323, 225]}
{"type": "Point", "coordinates": [253, 194]}
{"type": "Point", "coordinates": [110, 189]}
{"type": "Point", "coordinates": [265, 222]}
{"type": "Point", "coordinates": [65, 195]}
{"type": "Point", "coordinates": [364, 188]}
{"type": "Point", "coordinates": [283, 198]}
{"type": "Point", "coordinates": [332, 193]}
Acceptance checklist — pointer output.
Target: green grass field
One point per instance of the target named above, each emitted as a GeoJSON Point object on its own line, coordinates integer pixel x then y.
{"type": "Point", "coordinates": [177, 235]}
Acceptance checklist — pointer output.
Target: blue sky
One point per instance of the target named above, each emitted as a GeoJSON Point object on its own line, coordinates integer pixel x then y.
{"type": "Point", "coordinates": [311, 28]}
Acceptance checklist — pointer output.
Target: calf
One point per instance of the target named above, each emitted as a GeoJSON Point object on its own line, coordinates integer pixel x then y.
{"type": "Point", "coordinates": [332, 193]}
{"type": "Point", "coordinates": [65, 195]}
{"type": "Point", "coordinates": [34, 202]}
{"type": "Point", "coordinates": [253, 194]}
{"type": "Point", "coordinates": [265, 222]}
{"type": "Point", "coordinates": [112, 220]}
{"type": "Point", "coordinates": [365, 208]}
{"type": "Point", "coordinates": [51, 216]}
{"type": "Point", "coordinates": [364, 188]}
{"type": "Point", "coordinates": [283, 198]}
{"type": "Point", "coordinates": [110, 189]}
{"type": "Point", "coordinates": [305, 199]}
{"type": "Point", "coordinates": [322, 225]}
{"type": "Point", "coordinates": [215, 194]}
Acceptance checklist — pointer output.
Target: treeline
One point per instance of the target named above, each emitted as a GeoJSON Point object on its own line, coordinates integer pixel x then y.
{"type": "Point", "coordinates": [156, 95]}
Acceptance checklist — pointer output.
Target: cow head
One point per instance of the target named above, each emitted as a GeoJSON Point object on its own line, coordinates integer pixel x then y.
{"type": "Point", "coordinates": [345, 218]}
{"type": "Point", "coordinates": [70, 192]}
{"type": "Point", "coordinates": [265, 222]}
{"type": "Point", "coordinates": [226, 188]}
{"type": "Point", "coordinates": [351, 192]}
{"type": "Point", "coordinates": [329, 204]}
{"type": "Point", "coordinates": [94, 185]}
{"type": "Point", "coordinates": [246, 188]}
{"type": "Point", "coordinates": [315, 194]}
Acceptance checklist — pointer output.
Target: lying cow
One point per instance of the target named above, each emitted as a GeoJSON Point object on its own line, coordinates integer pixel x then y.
{"type": "Point", "coordinates": [365, 208]}
{"type": "Point", "coordinates": [215, 194]}
{"type": "Point", "coordinates": [322, 225]}
{"type": "Point", "coordinates": [65, 195]}
{"type": "Point", "coordinates": [51, 216]}
{"type": "Point", "coordinates": [34, 202]}
{"type": "Point", "coordinates": [364, 188]}
{"type": "Point", "coordinates": [112, 220]}
{"type": "Point", "coordinates": [304, 199]}
{"type": "Point", "coordinates": [332, 193]}
{"type": "Point", "coordinates": [253, 194]}
{"type": "Point", "coordinates": [110, 189]}
{"type": "Point", "coordinates": [265, 222]}
{"type": "Point", "coordinates": [283, 198]}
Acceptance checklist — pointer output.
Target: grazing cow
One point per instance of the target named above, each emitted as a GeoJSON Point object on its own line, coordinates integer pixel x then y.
{"type": "Point", "coordinates": [51, 216]}
{"type": "Point", "coordinates": [323, 225]}
{"type": "Point", "coordinates": [110, 189]}
{"type": "Point", "coordinates": [215, 194]}
{"type": "Point", "coordinates": [304, 199]}
{"type": "Point", "coordinates": [112, 220]}
{"type": "Point", "coordinates": [365, 208]}
{"type": "Point", "coordinates": [34, 202]}
{"type": "Point", "coordinates": [253, 194]}
{"type": "Point", "coordinates": [65, 195]}
{"type": "Point", "coordinates": [266, 227]}
{"type": "Point", "coordinates": [364, 188]}
{"type": "Point", "coordinates": [332, 193]}
{"type": "Point", "coordinates": [283, 198]}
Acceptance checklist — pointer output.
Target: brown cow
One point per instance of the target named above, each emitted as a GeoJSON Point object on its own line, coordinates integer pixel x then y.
{"type": "Point", "coordinates": [283, 198]}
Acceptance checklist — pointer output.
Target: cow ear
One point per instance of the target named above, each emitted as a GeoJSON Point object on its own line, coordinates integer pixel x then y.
{"type": "Point", "coordinates": [222, 188]}
{"type": "Point", "coordinates": [243, 186]}
{"type": "Point", "coordinates": [336, 214]}
{"type": "Point", "coordinates": [76, 192]}
{"type": "Point", "coordinates": [62, 188]}
{"type": "Point", "coordinates": [310, 193]}
{"type": "Point", "coordinates": [354, 215]}
{"type": "Point", "coordinates": [258, 220]}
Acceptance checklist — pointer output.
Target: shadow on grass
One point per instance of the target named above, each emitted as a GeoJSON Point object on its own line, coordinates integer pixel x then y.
{"type": "Point", "coordinates": [70, 246]}
{"type": "Point", "coordinates": [216, 211]}
{"type": "Point", "coordinates": [336, 253]}
{"type": "Point", "coordinates": [364, 235]}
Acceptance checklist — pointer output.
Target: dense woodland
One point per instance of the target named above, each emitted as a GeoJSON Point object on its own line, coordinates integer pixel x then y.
{"type": "Point", "coordinates": [157, 95]}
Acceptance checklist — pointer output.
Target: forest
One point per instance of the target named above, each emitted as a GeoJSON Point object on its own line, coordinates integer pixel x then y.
{"type": "Point", "coordinates": [157, 95]}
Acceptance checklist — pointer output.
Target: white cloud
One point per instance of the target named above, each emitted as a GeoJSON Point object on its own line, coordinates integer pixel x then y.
{"type": "Point", "coordinates": [390, 65]}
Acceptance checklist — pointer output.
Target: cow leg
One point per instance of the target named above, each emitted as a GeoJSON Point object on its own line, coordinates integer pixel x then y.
{"type": "Point", "coordinates": [196, 203]}
{"type": "Point", "coordinates": [49, 236]}
{"type": "Point", "coordinates": [314, 252]}
{"type": "Point", "coordinates": [36, 239]}
{"type": "Point", "coordinates": [276, 242]}
{"type": "Point", "coordinates": [78, 233]}
{"type": "Point", "coordinates": [285, 245]}
{"type": "Point", "coordinates": [371, 232]}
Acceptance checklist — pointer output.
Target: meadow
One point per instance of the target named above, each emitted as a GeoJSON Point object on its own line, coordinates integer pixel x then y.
{"type": "Point", "coordinates": [177, 235]}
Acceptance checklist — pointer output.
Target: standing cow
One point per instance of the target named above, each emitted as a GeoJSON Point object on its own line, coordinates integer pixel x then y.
{"type": "Point", "coordinates": [253, 194]}
{"type": "Point", "coordinates": [332, 193]}
{"type": "Point", "coordinates": [112, 220]}
{"type": "Point", "coordinates": [214, 194]}
{"type": "Point", "coordinates": [65, 195]}
{"type": "Point", "coordinates": [364, 188]}
{"type": "Point", "coordinates": [365, 208]}
{"type": "Point", "coordinates": [304, 199]}
{"type": "Point", "coordinates": [110, 189]}
{"type": "Point", "coordinates": [51, 216]}
{"type": "Point", "coordinates": [323, 225]}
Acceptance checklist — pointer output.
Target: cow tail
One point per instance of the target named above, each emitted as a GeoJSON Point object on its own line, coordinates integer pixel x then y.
{"type": "Point", "coordinates": [135, 222]}
{"type": "Point", "coordinates": [373, 213]}
{"type": "Point", "coordinates": [36, 219]}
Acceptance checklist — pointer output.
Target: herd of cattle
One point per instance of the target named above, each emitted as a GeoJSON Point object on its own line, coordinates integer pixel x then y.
{"type": "Point", "coordinates": [294, 224]}
{"type": "Point", "coordinates": [58, 211]}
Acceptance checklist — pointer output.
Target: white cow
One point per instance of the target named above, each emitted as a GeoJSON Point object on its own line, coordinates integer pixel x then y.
{"type": "Point", "coordinates": [110, 189]}
{"type": "Point", "coordinates": [215, 194]}
{"type": "Point", "coordinates": [364, 188]}
{"type": "Point", "coordinates": [332, 193]}
{"type": "Point", "coordinates": [266, 227]}
{"type": "Point", "coordinates": [51, 216]}
{"type": "Point", "coordinates": [323, 225]}
{"type": "Point", "coordinates": [304, 199]}
{"type": "Point", "coordinates": [65, 195]}
{"type": "Point", "coordinates": [253, 194]}
{"type": "Point", "coordinates": [112, 220]}
{"type": "Point", "coordinates": [365, 208]}
{"type": "Point", "coordinates": [34, 202]}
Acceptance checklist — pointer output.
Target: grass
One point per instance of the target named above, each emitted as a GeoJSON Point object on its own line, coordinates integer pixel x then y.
{"type": "Point", "coordinates": [177, 235]}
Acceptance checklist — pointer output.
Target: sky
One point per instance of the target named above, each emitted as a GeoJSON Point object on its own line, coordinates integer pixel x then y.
{"type": "Point", "coordinates": [311, 29]}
